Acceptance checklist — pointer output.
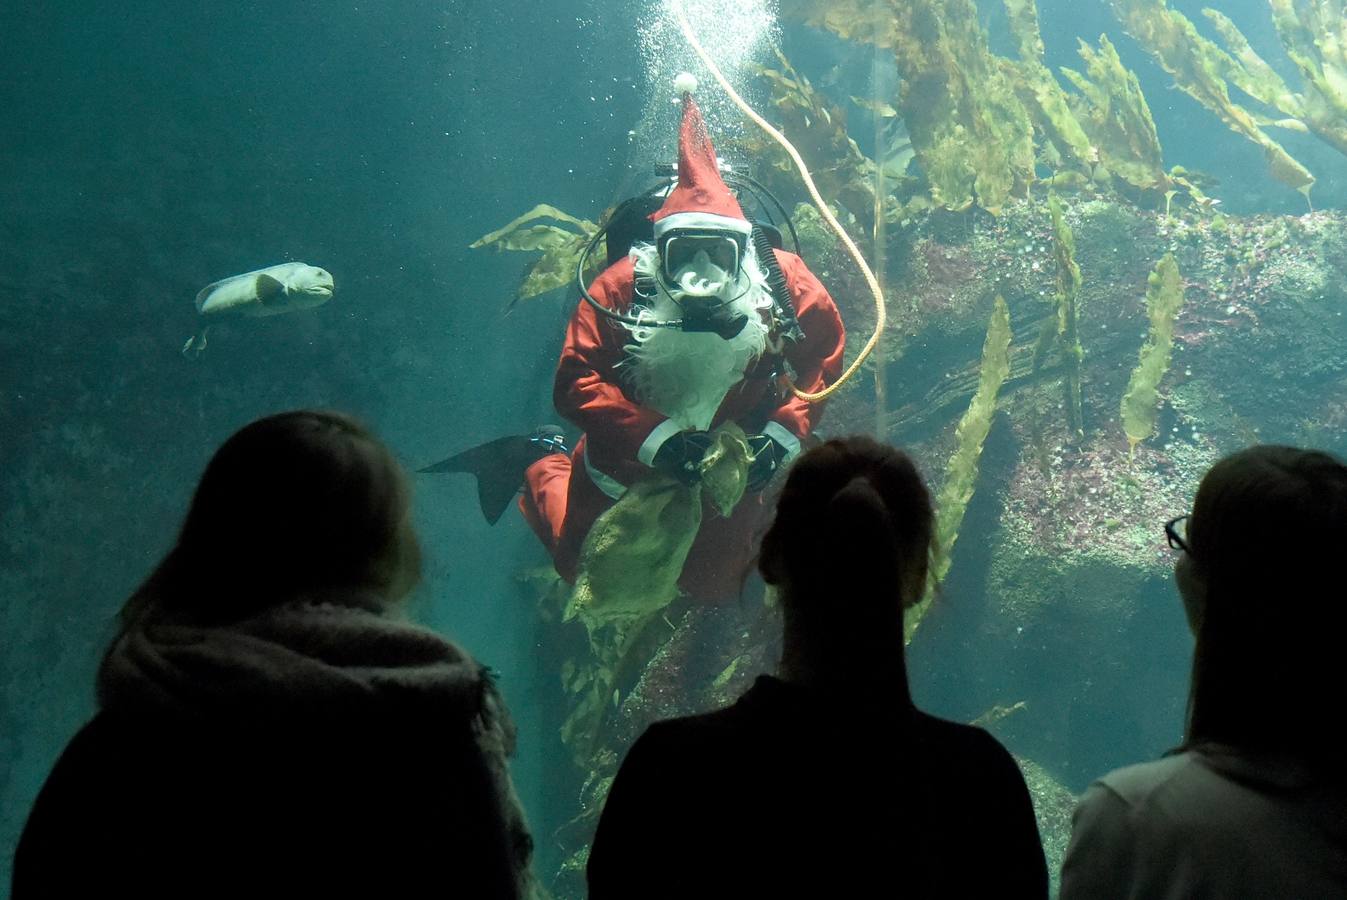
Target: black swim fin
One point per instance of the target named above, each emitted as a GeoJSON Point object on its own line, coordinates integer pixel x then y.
{"type": "Point", "coordinates": [499, 466]}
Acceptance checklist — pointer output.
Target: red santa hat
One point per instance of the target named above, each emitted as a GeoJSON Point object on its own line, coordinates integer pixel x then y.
{"type": "Point", "coordinates": [701, 199]}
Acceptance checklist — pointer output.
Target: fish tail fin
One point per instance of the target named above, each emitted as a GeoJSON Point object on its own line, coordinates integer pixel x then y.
{"type": "Point", "coordinates": [499, 468]}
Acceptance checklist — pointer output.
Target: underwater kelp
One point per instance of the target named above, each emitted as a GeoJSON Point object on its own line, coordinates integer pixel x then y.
{"type": "Point", "coordinates": [962, 472]}
{"type": "Point", "coordinates": [1103, 130]}
{"type": "Point", "coordinates": [561, 248]}
{"type": "Point", "coordinates": [972, 135]}
{"type": "Point", "coordinates": [980, 123]}
{"type": "Point", "coordinates": [1068, 287]}
{"type": "Point", "coordinates": [1062, 138]}
{"type": "Point", "coordinates": [1314, 34]}
{"type": "Point", "coordinates": [817, 128]}
{"type": "Point", "coordinates": [1202, 70]}
{"type": "Point", "coordinates": [1164, 296]}
{"type": "Point", "coordinates": [1114, 112]}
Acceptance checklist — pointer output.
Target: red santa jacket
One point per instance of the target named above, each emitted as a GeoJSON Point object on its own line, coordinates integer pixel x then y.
{"type": "Point", "coordinates": [620, 433]}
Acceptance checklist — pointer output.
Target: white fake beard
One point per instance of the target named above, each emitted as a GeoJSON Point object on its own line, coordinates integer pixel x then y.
{"type": "Point", "coordinates": [686, 375]}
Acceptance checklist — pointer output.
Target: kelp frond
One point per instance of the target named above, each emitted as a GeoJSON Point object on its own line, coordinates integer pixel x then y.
{"type": "Point", "coordinates": [817, 128]}
{"type": "Point", "coordinates": [1314, 33]}
{"type": "Point", "coordinates": [1114, 112]}
{"type": "Point", "coordinates": [971, 134]}
{"type": "Point", "coordinates": [973, 117]}
{"type": "Point", "coordinates": [1164, 297]}
{"type": "Point", "coordinates": [1203, 70]}
{"type": "Point", "coordinates": [1042, 95]}
{"type": "Point", "coordinates": [962, 472]}
{"type": "Point", "coordinates": [561, 247]}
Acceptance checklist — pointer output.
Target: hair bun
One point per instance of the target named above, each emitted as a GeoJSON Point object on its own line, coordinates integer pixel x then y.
{"type": "Point", "coordinates": [857, 518]}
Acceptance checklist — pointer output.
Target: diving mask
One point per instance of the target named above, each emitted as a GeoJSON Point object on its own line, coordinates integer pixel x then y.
{"type": "Point", "coordinates": [700, 250]}
{"type": "Point", "coordinates": [705, 290]}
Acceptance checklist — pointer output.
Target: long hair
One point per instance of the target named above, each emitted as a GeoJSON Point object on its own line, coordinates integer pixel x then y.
{"type": "Point", "coordinates": [295, 503]}
{"type": "Point", "coordinates": [850, 546]}
{"type": "Point", "coordinates": [1267, 534]}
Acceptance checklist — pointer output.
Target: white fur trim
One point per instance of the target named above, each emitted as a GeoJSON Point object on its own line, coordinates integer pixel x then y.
{"type": "Point", "coordinates": [779, 433]}
{"type": "Point", "coordinates": [663, 431]}
{"type": "Point", "coordinates": [701, 220]}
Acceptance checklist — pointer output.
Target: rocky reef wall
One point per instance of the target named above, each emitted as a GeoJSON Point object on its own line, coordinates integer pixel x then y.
{"type": "Point", "coordinates": [1057, 626]}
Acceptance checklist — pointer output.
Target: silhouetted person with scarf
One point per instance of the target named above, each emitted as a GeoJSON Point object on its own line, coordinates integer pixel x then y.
{"type": "Point", "coordinates": [268, 725]}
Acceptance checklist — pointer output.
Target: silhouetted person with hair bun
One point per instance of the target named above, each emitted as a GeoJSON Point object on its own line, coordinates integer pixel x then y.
{"type": "Point", "coordinates": [825, 780]}
{"type": "Point", "coordinates": [268, 725]}
{"type": "Point", "coordinates": [1254, 802]}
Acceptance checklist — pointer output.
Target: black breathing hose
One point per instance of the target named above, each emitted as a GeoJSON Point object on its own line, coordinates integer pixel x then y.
{"type": "Point", "coordinates": [776, 283]}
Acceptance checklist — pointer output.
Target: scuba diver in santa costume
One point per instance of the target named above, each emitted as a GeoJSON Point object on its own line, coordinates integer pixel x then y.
{"type": "Point", "coordinates": [686, 330]}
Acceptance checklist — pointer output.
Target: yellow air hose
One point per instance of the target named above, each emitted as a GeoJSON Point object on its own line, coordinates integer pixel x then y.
{"type": "Point", "coordinates": [881, 313]}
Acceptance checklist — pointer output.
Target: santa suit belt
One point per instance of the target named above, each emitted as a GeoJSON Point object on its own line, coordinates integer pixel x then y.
{"type": "Point", "coordinates": [614, 489]}
{"type": "Point", "coordinates": [602, 480]}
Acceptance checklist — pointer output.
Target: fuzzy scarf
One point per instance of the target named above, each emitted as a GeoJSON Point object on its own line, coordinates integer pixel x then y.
{"type": "Point", "coordinates": [327, 656]}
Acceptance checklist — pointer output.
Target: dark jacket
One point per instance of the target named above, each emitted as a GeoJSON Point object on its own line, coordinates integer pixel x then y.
{"type": "Point", "coordinates": [788, 794]}
{"type": "Point", "coordinates": [322, 750]}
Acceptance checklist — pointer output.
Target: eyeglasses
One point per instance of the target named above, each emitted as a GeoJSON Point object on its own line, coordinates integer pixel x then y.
{"type": "Point", "coordinates": [1176, 532]}
{"type": "Point", "coordinates": [681, 247]}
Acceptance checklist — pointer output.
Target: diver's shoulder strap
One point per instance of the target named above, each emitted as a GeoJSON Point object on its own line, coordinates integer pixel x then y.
{"type": "Point", "coordinates": [783, 307]}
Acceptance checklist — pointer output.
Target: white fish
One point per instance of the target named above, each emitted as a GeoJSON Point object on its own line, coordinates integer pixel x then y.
{"type": "Point", "coordinates": [263, 292]}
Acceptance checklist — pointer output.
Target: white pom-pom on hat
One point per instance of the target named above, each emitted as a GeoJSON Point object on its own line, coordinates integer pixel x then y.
{"type": "Point", "coordinates": [685, 83]}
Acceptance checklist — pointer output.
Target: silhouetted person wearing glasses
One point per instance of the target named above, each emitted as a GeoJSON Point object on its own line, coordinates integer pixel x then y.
{"type": "Point", "coordinates": [825, 780]}
{"type": "Point", "coordinates": [1253, 804]}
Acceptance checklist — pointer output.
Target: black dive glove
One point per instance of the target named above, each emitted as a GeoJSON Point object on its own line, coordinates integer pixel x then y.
{"type": "Point", "coordinates": [681, 456]}
{"type": "Point", "coordinates": [768, 456]}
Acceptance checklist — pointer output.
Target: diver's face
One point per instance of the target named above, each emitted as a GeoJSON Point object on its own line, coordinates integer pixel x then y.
{"type": "Point", "coordinates": [701, 277]}
{"type": "Point", "coordinates": [700, 262]}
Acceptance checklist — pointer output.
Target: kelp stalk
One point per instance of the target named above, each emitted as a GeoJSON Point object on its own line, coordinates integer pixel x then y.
{"type": "Point", "coordinates": [1068, 287]}
{"type": "Point", "coordinates": [962, 472]}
